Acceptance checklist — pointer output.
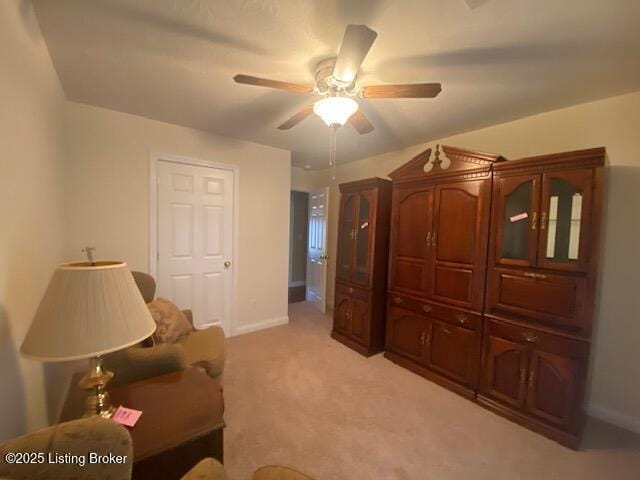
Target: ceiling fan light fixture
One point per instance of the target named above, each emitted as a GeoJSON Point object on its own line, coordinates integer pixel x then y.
{"type": "Point", "coordinates": [335, 111]}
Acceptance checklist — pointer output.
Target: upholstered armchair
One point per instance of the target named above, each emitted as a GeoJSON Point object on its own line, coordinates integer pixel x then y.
{"type": "Point", "coordinates": [178, 343]}
{"type": "Point", "coordinates": [78, 438]}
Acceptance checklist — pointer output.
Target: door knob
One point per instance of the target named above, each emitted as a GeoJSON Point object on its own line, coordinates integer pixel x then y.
{"type": "Point", "coordinates": [227, 264]}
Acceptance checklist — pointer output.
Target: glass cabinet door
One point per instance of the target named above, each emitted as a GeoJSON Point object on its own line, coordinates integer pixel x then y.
{"type": "Point", "coordinates": [347, 236]}
{"type": "Point", "coordinates": [517, 222]}
{"type": "Point", "coordinates": [363, 238]}
{"type": "Point", "coordinates": [564, 217]}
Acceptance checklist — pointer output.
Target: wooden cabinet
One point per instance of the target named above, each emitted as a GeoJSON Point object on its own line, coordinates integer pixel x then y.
{"type": "Point", "coordinates": [439, 234]}
{"type": "Point", "coordinates": [492, 279]}
{"type": "Point", "coordinates": [534, 375]}
{"type": "Point", "coordinates": [543, 249]}
{"type": "Point", "coordinates": [542, 272]}
{"type": "Point", "coordinates": [361, 266]}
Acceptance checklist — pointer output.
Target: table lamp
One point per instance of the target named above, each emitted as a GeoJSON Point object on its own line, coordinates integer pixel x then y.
{"type": "Point", "coordinates": [88, 310]}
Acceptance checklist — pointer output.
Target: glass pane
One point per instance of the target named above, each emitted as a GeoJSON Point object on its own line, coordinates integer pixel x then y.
{"type": "Point", "coordinates": [362, 242]}
{"type": "Point", "coordinates": [517, 210]}
{"type": "Point", "coordinates": [346, 242]}
{"type": "Point", "coordinates": [563, 226]}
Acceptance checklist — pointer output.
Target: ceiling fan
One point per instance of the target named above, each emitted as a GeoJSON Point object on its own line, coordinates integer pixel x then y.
{"type": "Point", "coordinates": [335, 79]}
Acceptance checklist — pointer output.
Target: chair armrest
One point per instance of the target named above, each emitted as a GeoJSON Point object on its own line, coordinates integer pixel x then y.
{"type": "Point", "coordinates": [206, 469]}
{"type": "Point", "coordinates": [78, 439]}
{"type": "Point", "coordinates": [137, 363]}
{"type": "Point", "coordinates": [271, 472]}
{"type": "Point", "coordinates": [189, 314]}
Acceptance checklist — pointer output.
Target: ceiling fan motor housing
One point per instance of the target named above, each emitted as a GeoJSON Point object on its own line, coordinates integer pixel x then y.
{"type": "Point", "coordinates": [325, 81]}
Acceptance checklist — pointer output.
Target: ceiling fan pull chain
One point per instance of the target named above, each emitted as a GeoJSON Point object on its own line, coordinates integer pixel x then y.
{"type": "Point", "coordinates": [332, 150]}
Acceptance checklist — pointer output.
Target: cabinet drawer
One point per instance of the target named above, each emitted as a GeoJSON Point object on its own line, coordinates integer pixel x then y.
{"type": "Point", "coordinates": [354, 292]}
{"type": "Point", "coordinates": [446, 314]}
{"type": "Point", "coordinates": [535, 338]}
{"type": "Point", "coordinates": [554, 299]}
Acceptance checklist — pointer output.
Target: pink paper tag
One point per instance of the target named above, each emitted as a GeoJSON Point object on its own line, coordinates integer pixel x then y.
{"type": "Point", "coordinates": [519, 217]}
{"type": "Point", "coordinates": [126, 416]}
{"type": "Point", "coordinates": [364, 225]}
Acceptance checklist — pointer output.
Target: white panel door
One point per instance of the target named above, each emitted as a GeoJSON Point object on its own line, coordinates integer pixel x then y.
{"type": "Point", "coordinates": [195, 240]}
{"type": "Point", "coordinates": [317, 249]}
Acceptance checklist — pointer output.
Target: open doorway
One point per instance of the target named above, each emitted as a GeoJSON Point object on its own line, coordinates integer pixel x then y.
{"type": "Point", "coordinates": [298, 238]}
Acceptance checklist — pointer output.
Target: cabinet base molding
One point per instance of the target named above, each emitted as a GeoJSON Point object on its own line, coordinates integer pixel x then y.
{"type": "Point", "coordinates": [430, 375]}
{"type": "Point", "coordinates": [562, 437]}
{"type": "Point", "coordinates": [352, 344]}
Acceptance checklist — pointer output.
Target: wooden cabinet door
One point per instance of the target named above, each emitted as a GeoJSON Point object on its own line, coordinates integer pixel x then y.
{"type": "Point", "coordinates": [458, 243]}
{"type": "Point", "coordinates": [346, 236]}
{"type": "Point", "coordinates": [342, 313]}
{"type": "Point", "coordinates": [452, 351]}
{"type": "Point", "coordinates": [558, 300]}
{"type": "Point", "coordinates": [565, 220]}
{"type": "Point", "coordinates": [504, 370]}
{"type": "Point", "coordinates": [553, 387]}
{"type": "Point", "coordinates": [412, 212]}
{"type": "Point", "coordinates": [406, 333]}
{"type": "Point", "coordinates": [360, 324]}
{"type": "Point", "coordinates": [364, 229]}
{"type": "Point", "coordinates": [516, 219]}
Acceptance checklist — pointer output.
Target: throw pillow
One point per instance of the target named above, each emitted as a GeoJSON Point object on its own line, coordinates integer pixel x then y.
{"type": "Point", "coordinates": [172, 324]}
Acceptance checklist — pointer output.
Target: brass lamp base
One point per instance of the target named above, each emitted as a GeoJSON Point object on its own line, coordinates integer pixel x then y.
{"type": "Point", "coordinates": [95, 381]}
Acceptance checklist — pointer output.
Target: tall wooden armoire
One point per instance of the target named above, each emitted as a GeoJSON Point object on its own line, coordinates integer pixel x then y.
{"type": "Point", "coordinates": [543, 257]}
{"type": "Point", "coordinates": [361, 265]}
{"type": "Point", "coordinates": [437, 266]}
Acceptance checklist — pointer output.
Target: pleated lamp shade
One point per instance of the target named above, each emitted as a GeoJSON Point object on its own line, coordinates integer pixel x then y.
{"type": "Point", "coordinates": [88, 310]}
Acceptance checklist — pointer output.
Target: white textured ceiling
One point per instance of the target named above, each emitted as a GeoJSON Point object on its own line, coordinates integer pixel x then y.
{"type": "Point", "coordinates": [497, 60]}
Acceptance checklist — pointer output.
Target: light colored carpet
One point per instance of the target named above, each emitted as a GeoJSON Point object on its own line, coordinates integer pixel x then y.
{"type": "Point", "coordinates": [294, 396]}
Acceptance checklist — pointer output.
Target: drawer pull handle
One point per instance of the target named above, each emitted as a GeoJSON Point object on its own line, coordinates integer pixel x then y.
{"type": "Point", "coordinates": [422, 338]}
{"type": "Point", "coordinates": [428, 239]}
{"type": "Point", "coordinates": [539, 276]}
{"type": "Point", "coordinates": [462, 318]}
{"type": "Point", "coordinates": [534, 221]}
{"type": "Point", "coordinates": [523, 376]}
{"type": "Point", "coordinates": [532, 378]}
{"type": "Point", "coordinates": [447, 331]}
{"type": "Point", "coordinates": [427, 308]}
{"type": "Point", "coordinates": [530, 337]}
{"type": "Point", "coordinates": [350, 289]}
{"type": "Point", "coordinates": [398, 300]}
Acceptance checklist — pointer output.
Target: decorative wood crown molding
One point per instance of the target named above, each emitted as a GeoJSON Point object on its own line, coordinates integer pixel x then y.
{"type": "Point", "coordinates": [362, 184]}
{"type": "Point", "coordinates": [457, 161]}
{"type": "Point", "coordinates": [588, 158]}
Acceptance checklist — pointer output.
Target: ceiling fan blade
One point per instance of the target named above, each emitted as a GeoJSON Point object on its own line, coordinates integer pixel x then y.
{"type": "Point", "coordinates": [265, 82]}
{"type": "Point", "coordinates": [297, 118]}
{"type": "Point", "coordinates": [412, 90]}
{"type": "Point", "coordinates": [360, 122]}
{"type": "Point", "coordinates": [356, 43]}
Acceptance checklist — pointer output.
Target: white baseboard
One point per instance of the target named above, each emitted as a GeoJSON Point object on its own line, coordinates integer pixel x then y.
{"type": "Point", "coordinates": [300, 283]}
{"type": "Point", "coordinates": [254, 327]}
{"type": "Point", "coordinates": [614, 417]}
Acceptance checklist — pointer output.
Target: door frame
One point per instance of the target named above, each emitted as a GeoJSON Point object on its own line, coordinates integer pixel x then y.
{"type": "Point", "coordinates": [154, 159]}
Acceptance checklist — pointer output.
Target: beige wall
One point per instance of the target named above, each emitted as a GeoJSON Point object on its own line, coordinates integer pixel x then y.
{"type": "Point", "coordinates": [107, 199]}
{"type": "Point", "coordinates": [307, 180]}
{"type": "Point", "coordinates": [31, 168]}
{"type": "Point", "coordinates": [613, 123]}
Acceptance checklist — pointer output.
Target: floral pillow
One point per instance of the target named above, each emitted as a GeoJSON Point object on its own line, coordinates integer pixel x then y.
{"type": "Point", "coordinates": [172, 324]}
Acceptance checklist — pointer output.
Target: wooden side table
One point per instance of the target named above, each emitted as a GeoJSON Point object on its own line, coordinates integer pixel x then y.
{"type": "Point", "coordinates": [180, 425]}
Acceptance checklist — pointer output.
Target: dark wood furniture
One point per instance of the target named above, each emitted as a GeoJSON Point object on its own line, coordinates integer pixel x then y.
{"type": "Point", "coordinates": [180, 425]}
{"type": "Point", "coordinates": [542, 273]}
{"type": "Point", "coordinates": [440, 224]}
{"type": "Point", "coordinates": [361, 267]}
{"type": "Point", "coordinates": [519, 343]}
